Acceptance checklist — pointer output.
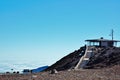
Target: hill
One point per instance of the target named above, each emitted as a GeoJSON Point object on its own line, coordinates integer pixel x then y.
{"type": "Point", "coordinates": [102, 57]}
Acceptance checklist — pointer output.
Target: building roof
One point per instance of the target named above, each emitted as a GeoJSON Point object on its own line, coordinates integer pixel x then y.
{"type": "Point", "coordinates": [101, 40]}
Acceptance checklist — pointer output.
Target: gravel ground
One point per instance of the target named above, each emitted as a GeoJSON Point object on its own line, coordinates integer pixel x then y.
{"type": "Point", "coordinates": [112, 73]}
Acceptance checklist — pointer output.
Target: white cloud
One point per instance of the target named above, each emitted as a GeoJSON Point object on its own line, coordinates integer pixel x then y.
{"type": "Point", "coordinates": [18, 66]}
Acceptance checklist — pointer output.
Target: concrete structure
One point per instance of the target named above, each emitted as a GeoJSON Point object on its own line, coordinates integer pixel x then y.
{"type": "Point", "coordinates": [102, 42]}
{"type": "Point", "coordinates": [85, 58]}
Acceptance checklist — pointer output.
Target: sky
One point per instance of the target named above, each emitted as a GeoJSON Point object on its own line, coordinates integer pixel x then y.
{"type": "Point", "coordinates": [34, 33]}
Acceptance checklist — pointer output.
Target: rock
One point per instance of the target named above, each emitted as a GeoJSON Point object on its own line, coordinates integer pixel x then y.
{"type": "Point", "coordinates": [54, 71]}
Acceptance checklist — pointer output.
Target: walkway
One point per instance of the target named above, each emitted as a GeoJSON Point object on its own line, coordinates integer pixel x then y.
{"type": "Point", "coordinates": [85, 58]}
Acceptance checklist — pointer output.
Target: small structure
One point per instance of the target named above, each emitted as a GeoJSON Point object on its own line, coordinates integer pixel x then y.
{"type": "Point", "coordinates": [102, 42]}
{"type": "Point", "coordinates": [26, 71]}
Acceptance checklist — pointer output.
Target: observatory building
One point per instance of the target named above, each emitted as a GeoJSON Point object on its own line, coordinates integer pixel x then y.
{"type": "Point", "coordinates": [102, 42]}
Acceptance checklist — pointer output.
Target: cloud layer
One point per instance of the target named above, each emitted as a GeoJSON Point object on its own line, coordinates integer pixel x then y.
{"type": "Point", "coordinates": [18, 66]}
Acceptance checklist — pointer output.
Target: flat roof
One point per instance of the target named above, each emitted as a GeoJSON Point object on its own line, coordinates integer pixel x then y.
{"type": "Point", "coordinates": [101, 40]}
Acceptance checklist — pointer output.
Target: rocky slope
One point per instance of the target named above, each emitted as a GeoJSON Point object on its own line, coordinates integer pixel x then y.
{"type": "Point", "coordinates": [69, 61]}
{"type": "Point", "coordinates": [103, 57]}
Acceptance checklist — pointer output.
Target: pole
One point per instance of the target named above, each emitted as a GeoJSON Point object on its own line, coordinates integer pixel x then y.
{"type": "Point", "coordinates": [112, 33]}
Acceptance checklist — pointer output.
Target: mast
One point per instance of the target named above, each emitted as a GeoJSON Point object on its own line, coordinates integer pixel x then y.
{"type": "Point", "coordinates": [112, 33]}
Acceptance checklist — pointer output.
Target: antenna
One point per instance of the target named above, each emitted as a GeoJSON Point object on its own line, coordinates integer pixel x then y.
{"type": "Point", "coordinates": [112, 33]}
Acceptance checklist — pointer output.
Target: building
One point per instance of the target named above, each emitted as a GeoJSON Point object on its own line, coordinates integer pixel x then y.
{"type": "Point", "coordinates": [102, 42]}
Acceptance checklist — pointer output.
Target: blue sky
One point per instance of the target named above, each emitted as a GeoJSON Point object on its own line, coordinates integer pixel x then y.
{"type": "Point", "coordinates": [43, 31]}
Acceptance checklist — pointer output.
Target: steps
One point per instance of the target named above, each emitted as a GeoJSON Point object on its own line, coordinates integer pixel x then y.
{"type": "Point", "coordinates": [85, 58]}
